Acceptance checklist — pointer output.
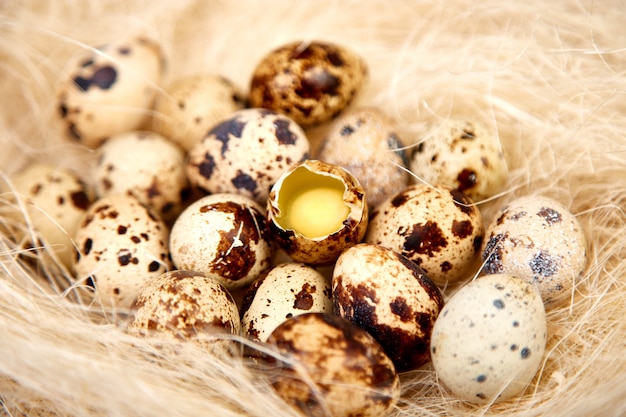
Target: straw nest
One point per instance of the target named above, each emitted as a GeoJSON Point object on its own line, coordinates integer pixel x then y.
{"type": "Point", "coordinates": [549, 77]}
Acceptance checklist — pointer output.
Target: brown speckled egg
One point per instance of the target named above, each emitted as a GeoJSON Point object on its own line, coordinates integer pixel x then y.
{"type": "Point", "coordinates": [56, 199]}
{"type": "Point", "coordinates": [311, 82]}
{"type": "Point", "coordinates": [488, 342]}
{"type": "Point", "coordinates": [316, 211]}
{"type": "Point", "coordinates": [437, 227]}
{"type": "Point", "coordinates": [464, 155]}
{"type": "Point", "coordinates": [111, 91]}
{"type": "Point", "coordinates": [185, 305]}
{"type": "Point", "coordinates": [537, 238]}
{"type": "Point", "coordinates": [365, 143]}
{"type": "Point", "coordinates": [391, 298]}
{"type": "Point", "coordinates": [121, 246]}
{"type": "Point", "coordinates": [194, 104]}
{"type": "Point", "coordinates": [285, 291]}
{"type": "Point", "coordinates": [146, 165]}
{"type": "Point", "coordinates": [335, 368]}
{"type": "Point", "coordinates": [246, 153]}
{"type": "Point", "coordinates": [223, 236]}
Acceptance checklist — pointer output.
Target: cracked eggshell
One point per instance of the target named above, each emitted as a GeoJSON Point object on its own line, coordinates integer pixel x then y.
{"type": "Point", "coordinates": [146, 165]}
{"type": "Point", "coordinates": [311, 82]}
{"type": "Point", "coordinates": [285, 291]}
{"type": "Point", "coordinates": [464, 155]}
{"type": "Point", "coordinates": [436, 227]}
{"type": "Point", "coordinates": [489, 340]}
{"type": "Point", "coordinates": [365, 143]}
{"type": "Point", "coordinates": [391, 298]}
{"type": "Point", "coordinates": [184, 305]}
{"type": "Point", "coordinates": [110, 91]}
{"type": "Point", "coordinates": [56, 199]}
{"type": "Point", "coordinates": [538, 239]}
{"type": "Point", "coordinates": [334, 368]}
{"type": "Point", "coordinates": [223, 236]}
{"type": "Point", "coordinates": [246, 153]}
{"type": "Point", "coordinates": [121, 246]}
{"type": "Point", "coordinates": [192, 105]}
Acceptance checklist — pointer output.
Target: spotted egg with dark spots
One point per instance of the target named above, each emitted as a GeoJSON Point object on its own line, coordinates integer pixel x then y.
{"type": "Point", "coordinates": [333, 368]}
{"type": "Point", "coordinates": [437, 227]}
{"type": "Point", "coordinates": [121, 245]}
{"type": "Point", "coordinates": [184, 305]}
{"type": "Point", "coordinates": [489, 340]}
{"type": "Point", "coordinates": [538, 239]}
{"type": "Point", "coordinates": [223, 236]}
{"type": "Point", "coordinates": [391, 298]}
{"type": "Point", "coordinates": [466, 155]}
{"type": "Point", "coordinates": [246, 153]}
{"type": "Point", "coordinates": [111, 90]}
{"type": "Point", "coordinates": [311, 82]}
{"type": "Point", "coordinates": [287, 290]}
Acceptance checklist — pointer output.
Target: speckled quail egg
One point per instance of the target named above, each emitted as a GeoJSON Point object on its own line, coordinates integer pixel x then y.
{"type": "Point", "coordinates": [121, 246]}
{"type": "Point", "coordinates": [246, 153]}
{"type": "Point", "coordinates": [194, 104]}
{"type": "Point", "coordinates": [436, 227]}
{"type": "Point", "coordinates": [365, 143]}
{"type": "Point", "coordinates": [223, 236]}
{"type": "Point", "coordinates": [285, 291]}
{"type": "Point", "coordinates": [56, 199]}
{"type": "Point", "coordinates": [488, 342]}
{"type": "Point", "coordinates": [538, 239]}
{"type": "Point", "coordinates": [146, 165]}
{"type": "Point", "coordinates": [391, 298]}
{"type": "Point", "coordinates": [311, 82]}
{"type": "Point", "coordinates": [334, 368]}
{"type": "Point", "coordinates": [315, 211]}
{"type": "Point", "coordinates": [184, 305]}
{"type": "Point", "coordinates": [110, 90]}
{"type": "Point", "coordinates": [464, 155]}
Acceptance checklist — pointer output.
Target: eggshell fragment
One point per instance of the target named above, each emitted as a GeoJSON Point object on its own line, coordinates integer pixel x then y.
{"type": "Point", "coordinates": [335, 368]}
{"type": "Point", "coordinates": [365, 143]}
{"type": "Point", "coordinates": [391, 298]}
{"type": "Point", "coordinates": [184, 305]}
{"type": "Point", "coordinates": [285, 291]}
{"type": "Point", "coordinates": [223, 236]}
{"type": "Point", "coordinates": [192, 105]}
{"type": "Point", "coordinates": [464, 155]}
{"type": "Point", "coordinates": [311, 82]}
{"type": "Point", "coordinates": [489, 340]}
{"type": "Point", "coordinates": [246, 153]}
{"type": "Point", "coordinates": [111, 90]}
{"type": "Point", "coordinates": [147, 166]}
{"type": "Point", "coordinates": [121, 246]}
{"type": "Point", "coordinates": [538, 239]}
{"type": "Point", "coordinates": [436, 227]}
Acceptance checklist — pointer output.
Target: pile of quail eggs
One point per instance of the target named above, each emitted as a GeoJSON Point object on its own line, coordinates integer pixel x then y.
{"type": "Point", "coordinates": [212, 217]}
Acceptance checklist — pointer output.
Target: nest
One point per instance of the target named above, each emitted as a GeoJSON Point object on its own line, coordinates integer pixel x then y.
{"type": "Point", "coordinates": [549, 78]}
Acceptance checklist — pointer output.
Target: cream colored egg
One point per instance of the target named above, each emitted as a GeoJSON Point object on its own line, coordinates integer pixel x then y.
{"type": "Point", "coordinates": [192, 105]}
{"type": "Point", "coordinates": [287, 290]}
{"type": "Point", "coordinates": [146, 165]}
{"type": "Point", "coordinates": [464, 155]}
{"type": "Point", "coordinates": [121, 246]}
{"type": "Point", "coordinates": [110, 90]}
{"type": "Point", "coordinates": [489, 340]}
{"type": "Point", "coordinates": [223, 236]}
{"type": "Point", "coordinates": [538, 239]}
{"type": "Point", "coordinates": [436, 227]}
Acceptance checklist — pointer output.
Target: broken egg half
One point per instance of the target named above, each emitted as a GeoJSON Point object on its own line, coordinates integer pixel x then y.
{"type": "Point", "coordinates": [315, 211]}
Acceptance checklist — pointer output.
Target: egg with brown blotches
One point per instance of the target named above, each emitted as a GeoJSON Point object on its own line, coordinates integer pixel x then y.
{"type": "Point", "coordinates": [437, 227]}
{"type": "Point", "coordinates": [311, 82]}
{"type": "Point", "coordinates": [391, 298]}
{"type": "Point", "coordinates": [333, 367]}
